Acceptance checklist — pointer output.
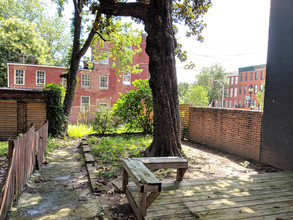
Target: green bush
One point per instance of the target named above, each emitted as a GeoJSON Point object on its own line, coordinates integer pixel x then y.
{"type": "Point", "coordinates": [3, 148]}
{"type": "Point", "coordinates": [135, 108]}
{"type": "Point", "coordinates": [104, 120]}
{"type": "Point", "coordinates": [56, 114]}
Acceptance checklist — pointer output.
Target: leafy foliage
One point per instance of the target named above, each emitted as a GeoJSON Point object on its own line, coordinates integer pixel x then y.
{"type": "Point", "coordinates": [208, 78]}
{"type": "Point", "coordinates": [51, 27]}
{"type": "Point", "coordinates": [125, 43]}
{"type": "Point", "coordinates": [135, 107]}
{"type": "Point", "coordinates": [56, 115]}
{"type": "Point", "coordinates": [182, 92]}
{"type": "Point", "coordinates": [260, 96]}
{"type": "Point", "coordinates": [198, 95]}
{"type": "Point", "coordinates": [3, 147]}
{"type": "Point", "coordinates": [19, 37]}
{"type": "Point", "coordinates": [104, 120]}
{"type": "Point", "coordinates": [78, 130]}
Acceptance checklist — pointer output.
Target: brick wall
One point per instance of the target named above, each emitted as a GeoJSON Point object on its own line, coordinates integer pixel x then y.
{"type": "Point", "coordinates": [231, 130]}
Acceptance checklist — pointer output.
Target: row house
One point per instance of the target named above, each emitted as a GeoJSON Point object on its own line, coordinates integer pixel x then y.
{"type": "Point", "coordinates": [243, 87]}
{"type": "Point", "coordinates": [98, 86]}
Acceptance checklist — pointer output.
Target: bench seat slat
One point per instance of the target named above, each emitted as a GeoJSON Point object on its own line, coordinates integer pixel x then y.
{"type": "Point", "coordinates": [140, 173]}
{"type": "Point", "coordinates": [163, 162]}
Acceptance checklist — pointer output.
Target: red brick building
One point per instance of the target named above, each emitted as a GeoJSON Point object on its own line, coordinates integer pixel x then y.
{"type": "Point", "coordinates": [99, 86]}
{"type": "Point", "coordinates": [237, 94]}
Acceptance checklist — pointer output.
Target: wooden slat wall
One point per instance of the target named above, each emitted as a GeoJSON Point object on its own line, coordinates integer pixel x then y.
{"type": "Point", "coordinates": [184, 114]}
{"type": "Point", "coordinates": [36, 114]}
{"type": "Point", "coordinates": [8, 119]}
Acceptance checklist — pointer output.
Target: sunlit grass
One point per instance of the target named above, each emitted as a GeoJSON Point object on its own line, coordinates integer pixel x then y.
{"type": "Point", "coordinates": [79, 130]}
{"type": "Point", "coordinates": [111, 150]}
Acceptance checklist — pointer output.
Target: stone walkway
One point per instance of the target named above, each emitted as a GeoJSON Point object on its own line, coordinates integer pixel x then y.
{"type": "Point", "coordinates": [59, 191]}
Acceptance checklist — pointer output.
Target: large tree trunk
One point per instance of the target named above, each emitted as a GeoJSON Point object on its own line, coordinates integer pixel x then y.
{"type": "Point", "coordinates": [161, 45]}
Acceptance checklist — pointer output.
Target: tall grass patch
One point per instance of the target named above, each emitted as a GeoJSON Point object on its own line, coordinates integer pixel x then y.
{"type": "Point", "coordinates": [110, 151]}
{"type": "Point", "coordinates": [78, 130]}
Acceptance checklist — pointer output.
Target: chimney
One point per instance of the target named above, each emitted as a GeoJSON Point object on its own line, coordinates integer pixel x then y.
{"type": "Point", "coordinates": [34, 61]}
{"type": "Point", "coordinates": [21, 58]}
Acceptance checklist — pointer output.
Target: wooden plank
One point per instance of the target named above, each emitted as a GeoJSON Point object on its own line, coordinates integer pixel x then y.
{"type": "Point", "coordinates": [89, 158]}
{"type": "Point", "coordinates": [140, 173]}
{"type": "Point", "coordinates": [142, 205]}
{"type": "Point", "coordinates": [36, 114]}
{"type": "Point", "coordinates": [132, 202]}
{"type": "Point", "coordinates": [163, 162]}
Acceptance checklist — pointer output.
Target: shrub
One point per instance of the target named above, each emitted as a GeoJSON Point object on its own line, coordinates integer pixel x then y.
{"type": "Point", "coordinates": [56, 114]}
{"type": "Point", "coordinates": [135, 107]}
{"type": "Point", "coordinates": [104, 120]}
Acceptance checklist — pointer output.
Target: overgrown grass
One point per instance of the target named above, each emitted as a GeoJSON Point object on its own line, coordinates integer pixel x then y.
{"type": "Point", "coordinates": [53, 143]}
{"type": "Point", "coordinates": [111, 150]}
{"type": "Point", "coordinates": [3, 147]}
{"type": "Point", "coordinates": [76, 131]}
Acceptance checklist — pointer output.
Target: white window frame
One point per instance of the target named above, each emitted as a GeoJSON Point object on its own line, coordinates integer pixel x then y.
{"type": "Point", "coordinates": [82, 109]}
{"type": "Point", "coordinates": [85, 83]}
{"type": "Point", "coordinates": [227, 93]}
{"type": "Point", "coordinates": [127, 78]}
{"type": "Point", "coordinates": [23, 78]}
{"type": "Point", "coordinates": [235, 92]}
{"type": "Point", "coordinates": [64, 82]}
{"type": "Point", "coordinates": [231, 92]}
{"type": "Point", "coordinates": [232, 80]}
{"type": "Point", "coordinates": [236, 80]}
{"type": "Point", "coordinates": [230, 104]}
{"type": "Point", "coordinates": [227, 104]}
{"type": "Point", "coordinates": [106, 60]}
{"type": "Point", "coordinates": [255, 89]}
{"type": "Point", "coordinates": [37, 83]}
{"type": "Point", "coordinates": [100, 81]}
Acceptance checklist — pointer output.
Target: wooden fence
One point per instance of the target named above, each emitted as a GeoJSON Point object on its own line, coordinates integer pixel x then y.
{"type": "Point", "coordinates": [184, 116]}
{"type": "Point", "coordinates": [24, 154]}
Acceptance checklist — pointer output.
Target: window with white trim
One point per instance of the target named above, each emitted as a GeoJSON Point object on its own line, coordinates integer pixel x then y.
{"type": "Point", "coordinates": [235, 92]}
{"type": "Point", "coordinates": [104, 57]}
{"type": "Point", "coordinates": [127, 78]}
{"type": "Point", "coordinates": [231, 92]}
{"type": "Point", "coordinates": [230, 104]}
{"type": "Point", "coordinates": [85, 81]}
{"type": "Point", "coordinates": [232, 80]}
{"type": "Point", "coordinates": [19, 77]}
{"type": "Point", "coordinates": [64, 82]}
{"type": "Point", "coordinates": [255, 89]}
{"type": "Point", "coordinates": [103, 82]}
{"type": "Point", "coordinates": [236, 80]}
{"type": "Point", "coordinates": [84, 103]}
{"type": "Point", "coordinates": [227, 93]}
{"type": "Point", "coordinates": [40, 78]}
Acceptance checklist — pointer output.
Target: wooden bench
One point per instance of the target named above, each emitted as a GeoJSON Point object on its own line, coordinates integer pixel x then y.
{"type": "Point", "coordinates": [149, 187]}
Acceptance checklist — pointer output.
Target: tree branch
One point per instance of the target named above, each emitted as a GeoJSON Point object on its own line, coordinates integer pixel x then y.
{"type": "Point", "coordinates": [90, 37]}
{"type": "Point", "coordinates": [110, 7]}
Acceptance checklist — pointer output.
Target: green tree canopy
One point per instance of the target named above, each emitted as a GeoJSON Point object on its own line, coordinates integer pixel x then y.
{"type": "Point", "coordinates": [136, 106]}
{"type": "Point", "coordinates": [211, 78]}
{"type": "Point", "coordinates": [20, 38]}
{"type": "Point", "coordinates": [198, 95]}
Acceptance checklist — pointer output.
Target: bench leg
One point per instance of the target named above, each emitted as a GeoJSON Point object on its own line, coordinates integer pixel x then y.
{"type": "Point", "coordinates": [124, 179]}
{"type": "Point", "coordinates": [142, 205]}
{"type": "Point", "coordinates": [180, 173]}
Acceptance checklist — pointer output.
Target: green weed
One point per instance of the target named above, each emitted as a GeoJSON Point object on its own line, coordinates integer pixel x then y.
{"type": "Point", "coordinates": [3, 147]}
{"type": "Point", "coordinates": [79, 130]}
{"type": "Point", "coordinates": [53, 143]}
{"type": "Point", "coordinates": [111, 150]}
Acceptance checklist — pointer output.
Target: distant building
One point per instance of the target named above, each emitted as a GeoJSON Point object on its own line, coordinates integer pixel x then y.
{"type": "Point", "coordinates": [99, 86]}
{"type": "Point", "coordinates": [237, 93]}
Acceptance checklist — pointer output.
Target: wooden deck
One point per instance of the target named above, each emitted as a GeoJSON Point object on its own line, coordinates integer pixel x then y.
{"type": "Point", "coordinates": [264, 196]}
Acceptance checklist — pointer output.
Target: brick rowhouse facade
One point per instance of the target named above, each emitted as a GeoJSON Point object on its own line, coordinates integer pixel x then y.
{"type": "Point", "coordinates": [236, 95]}
{"type": "Point", "coordinates": [99, 86]}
